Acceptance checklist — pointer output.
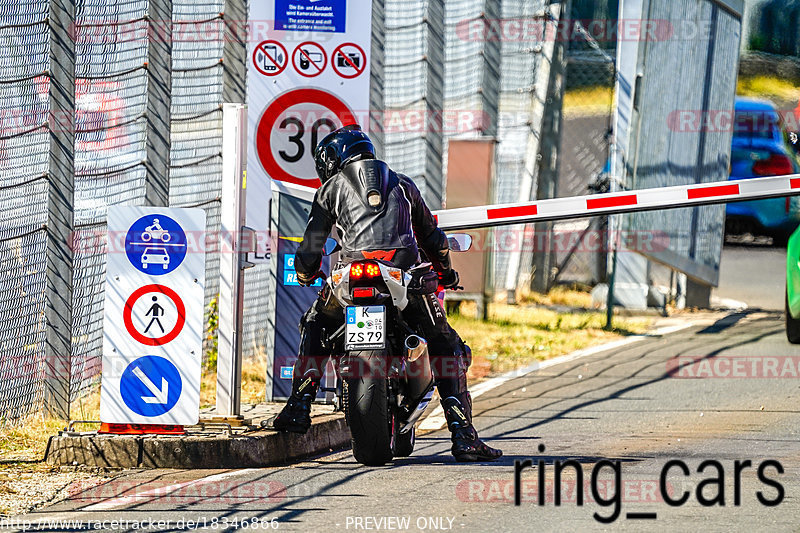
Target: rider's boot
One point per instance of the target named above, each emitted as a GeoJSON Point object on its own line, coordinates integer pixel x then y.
{"type": "Point", "coordinates": [296, 414]}
{"type": "Point", "coordinates": [467, 447]}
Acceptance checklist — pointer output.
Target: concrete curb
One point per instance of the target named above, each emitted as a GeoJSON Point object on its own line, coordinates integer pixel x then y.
{"type": "Point", "coordinates": [251, 450]}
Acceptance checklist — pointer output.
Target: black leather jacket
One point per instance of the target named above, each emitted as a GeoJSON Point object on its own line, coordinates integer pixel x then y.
{"type": "Point", "coordinates": [394, 222]}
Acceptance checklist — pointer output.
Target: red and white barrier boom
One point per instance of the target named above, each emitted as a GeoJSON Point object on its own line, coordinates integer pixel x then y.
{"type": "Point", "coordinates": [619, 202]}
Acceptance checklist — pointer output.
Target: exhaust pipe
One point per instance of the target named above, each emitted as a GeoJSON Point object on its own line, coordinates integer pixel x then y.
{"type": "Point", "coordinates": [419, 379]}
{"type": "Point", "coordinates": [415, 347]}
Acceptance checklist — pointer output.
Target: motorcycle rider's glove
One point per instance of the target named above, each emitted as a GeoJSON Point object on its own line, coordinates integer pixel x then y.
{"type": "Point", "coordinates": [449, 279]}
{"type": "Point", "coordinates": [306, 280]}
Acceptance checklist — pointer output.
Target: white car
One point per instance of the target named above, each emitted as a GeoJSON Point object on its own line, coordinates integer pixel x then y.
{"type": "Point", "coordinates": [155, 256]}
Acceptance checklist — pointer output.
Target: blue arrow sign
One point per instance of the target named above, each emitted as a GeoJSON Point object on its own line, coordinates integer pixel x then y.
{"type": "Point", "coordinates": [155, 244]}
{"type": "Point", "coordinates": [150, 386]}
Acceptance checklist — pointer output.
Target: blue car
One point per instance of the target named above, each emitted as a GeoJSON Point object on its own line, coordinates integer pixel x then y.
{"type": "Point", "coordinates": [762, 146]}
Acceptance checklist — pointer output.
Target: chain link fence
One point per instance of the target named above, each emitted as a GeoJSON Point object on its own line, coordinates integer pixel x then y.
{"type": "Point", "coordinates": [110, 132]}
{"type": "Point", "coordinates": [580, 249]}
{"type": "Point", "coordinates": [195, 176]}
{"type": "Point", "coordinates": [24, 155]}
{"type": "Point", "coordinates": [429, 68]}
{"type": "Point", "coordinates": [111, 42]}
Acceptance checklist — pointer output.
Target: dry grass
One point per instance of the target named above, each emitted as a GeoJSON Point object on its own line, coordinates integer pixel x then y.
{"type": "Point", "coordinates": [26, 440]}
{"type": "Point", "coordinates": [588, 101]}
{"type": "Point", "coordinates": [516, 336]}
{"type": "Point", "coordinates": [253, 384]}
{"type": "Point", "coordinates": [559, 295]}
{"type": "Point", "coordinates": [783, 93]}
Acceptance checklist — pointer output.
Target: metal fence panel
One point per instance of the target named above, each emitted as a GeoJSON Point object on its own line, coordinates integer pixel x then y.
{"type": "Point", "coordinates": [196, 129]}
{"type": "Point", "coordinates": [110, 135]}
{"type": "Point", "coordinates": [24, 151]}
{"type": "Point", "coordinates": [664, 154]}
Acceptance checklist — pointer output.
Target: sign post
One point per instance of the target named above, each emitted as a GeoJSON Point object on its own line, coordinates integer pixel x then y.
{"type": "Point", "coordinates": [309, 75]}
{"type": "Point", "coordinates": [153, 319]}
{"type": "Point", "coordinates": [236, 240]}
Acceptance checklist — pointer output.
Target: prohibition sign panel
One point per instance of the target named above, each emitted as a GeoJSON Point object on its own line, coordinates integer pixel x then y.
{"type": "Point", "coordinates": [270, 58]}
{"type": "Point", "coordinates": [309, 59]}
{"type": "Point", "coordinates": [154, 315]}
{"type": "Point", "coordinates": [349, 60]}
{"type": "Point", "coordinates": [306, 115]}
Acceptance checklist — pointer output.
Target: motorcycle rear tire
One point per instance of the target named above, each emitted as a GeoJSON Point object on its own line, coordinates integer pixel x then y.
{"type": "Point", "coordinates": [368, 412]}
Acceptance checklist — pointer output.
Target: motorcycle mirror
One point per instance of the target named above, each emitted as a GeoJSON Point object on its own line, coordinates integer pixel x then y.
{"type": "Point", "coordinates": [459, 242]}
{"type": "Point", "coordinates": [331, 247]}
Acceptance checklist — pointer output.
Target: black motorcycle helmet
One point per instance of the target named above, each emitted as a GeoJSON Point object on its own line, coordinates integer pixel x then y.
{"type": "Point", "coordinates": [345, 145]}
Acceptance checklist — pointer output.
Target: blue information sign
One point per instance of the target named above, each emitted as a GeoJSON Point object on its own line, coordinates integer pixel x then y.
{"type": "Point", "coordinates": [290, 274]}
{"type": "Point", "coordinates": [155, 244]}
{"type": "Point", "coordinates": [150, 386]}
{"type": "Point", "coordinates": [311, 15]}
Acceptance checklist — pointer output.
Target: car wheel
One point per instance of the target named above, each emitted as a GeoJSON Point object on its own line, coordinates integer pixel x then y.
{"type": "Point", "coordinates": [792, 324]}
{"type": "Point", "coordinates": [144, 266]}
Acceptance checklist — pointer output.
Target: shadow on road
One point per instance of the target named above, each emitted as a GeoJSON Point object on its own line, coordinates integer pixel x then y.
{"type": "Point", "coordinates": [754, 332]}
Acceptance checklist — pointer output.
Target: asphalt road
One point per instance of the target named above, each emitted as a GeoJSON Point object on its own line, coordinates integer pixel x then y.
{"type": "Point", "coordinates": [754, 274]}
{"type": "Point", "coordinates": [625, 405]}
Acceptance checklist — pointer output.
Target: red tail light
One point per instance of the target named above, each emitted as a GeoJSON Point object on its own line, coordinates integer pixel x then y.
{"type": "Point", "coordinates": [356, 270]}
{"type": "Point", "coordinates": [775, 165]}
{"type": "Point", "coordinates": [364, 292]}
{"type": "Point", "coordinates": [359, 270]}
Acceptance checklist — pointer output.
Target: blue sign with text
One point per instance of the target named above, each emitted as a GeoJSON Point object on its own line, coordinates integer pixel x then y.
{"type": "Point", "coordinates": [150, 386]}
{"type": "Point", "coordinates": [290, 274]}
{"type": "Point", "coordinates": [311, 15]}
{"type": "Point", "coordinates": [155, 244]}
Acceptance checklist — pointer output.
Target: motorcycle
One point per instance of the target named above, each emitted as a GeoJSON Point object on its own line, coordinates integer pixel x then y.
{"type": "Point", "coordinates": [384, 376]}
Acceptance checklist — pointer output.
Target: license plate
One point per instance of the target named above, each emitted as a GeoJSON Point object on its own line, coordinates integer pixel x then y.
{"type": "Point", "coordinates": [365, 328]}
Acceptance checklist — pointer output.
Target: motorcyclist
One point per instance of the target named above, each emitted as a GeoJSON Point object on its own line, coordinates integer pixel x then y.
{"type": "Point", "coordinates": [379, 214]}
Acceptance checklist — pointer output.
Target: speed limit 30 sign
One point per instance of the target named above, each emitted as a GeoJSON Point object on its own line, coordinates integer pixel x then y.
{"type": "Point", "coordinates": [291, 127]}
{"type": "Point", "coordinates": [309, 75]}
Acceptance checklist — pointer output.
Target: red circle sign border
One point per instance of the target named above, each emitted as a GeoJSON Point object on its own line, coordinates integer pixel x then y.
{"type": "Point", "coordinates": [286, 55]}
{"type": "Point", "coordinates": [324, 59]}
{"type": "Point", "coordinates": [169, 293]}
{"type": "Point", "coordinates": [339, 50]}
{"type": "Point", "coordinates": [270, 117]}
